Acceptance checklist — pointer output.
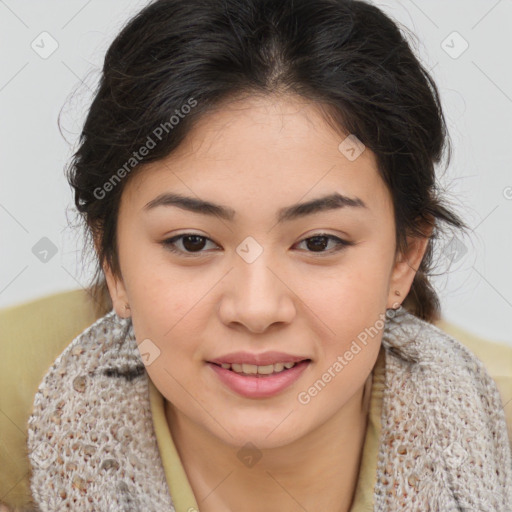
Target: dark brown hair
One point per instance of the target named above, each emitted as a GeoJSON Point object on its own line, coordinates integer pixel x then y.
{"type": "Point", "coordinates": [345, 55]}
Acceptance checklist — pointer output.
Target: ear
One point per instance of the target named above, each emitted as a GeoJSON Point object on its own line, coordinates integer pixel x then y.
{"type": "Point", "coordinates": [117, 292]}
{"type": "Point", "coordinates": [116, 289]}
{"type": "Point", "coordinates": [406, 265]}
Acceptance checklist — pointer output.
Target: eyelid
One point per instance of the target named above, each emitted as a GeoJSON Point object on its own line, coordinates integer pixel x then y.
{"type": "Point", "coordinates": [168, 243]}
{"type": "Point", "coordinates": [341, 243]}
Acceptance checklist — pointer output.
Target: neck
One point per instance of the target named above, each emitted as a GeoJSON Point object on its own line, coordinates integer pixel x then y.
{"type": "Point", "coordinates": [316, 472]}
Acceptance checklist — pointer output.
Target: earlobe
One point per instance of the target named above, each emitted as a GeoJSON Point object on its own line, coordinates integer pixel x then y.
{"type": "Point", "coordinates": [115, 286]}
{"type": "Point", "coordinates": [405, 268]}
{"type": "Point", "coordinates": [117, 293]}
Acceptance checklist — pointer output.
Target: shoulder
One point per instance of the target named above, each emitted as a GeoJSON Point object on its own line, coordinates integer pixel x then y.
{"type": "Point", "coordinates": [106, 348]}
{"type": "Point", "coordinates": [32, 335]}
{"type": "Point", "coordinates": [446, 373]}
{"type": "Point", "coordinates": [424, 344]}
{"type": "Point", "coordinates": [443, 405]}
{"type": "Point", "coordinates": [497, 359]}
{"type": "Point", "coordinates": [92, 415]}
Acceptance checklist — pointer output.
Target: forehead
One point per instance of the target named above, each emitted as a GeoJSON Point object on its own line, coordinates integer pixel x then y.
{"type": "Point", "coordinates": [258, 150]}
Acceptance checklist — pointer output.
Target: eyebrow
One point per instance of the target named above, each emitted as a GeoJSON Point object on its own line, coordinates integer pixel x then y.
{"type": "Point", "coordinates": [330, 202]}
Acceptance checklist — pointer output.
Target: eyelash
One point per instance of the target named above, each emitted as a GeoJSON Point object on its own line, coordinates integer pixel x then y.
{"type": "Point", "coordinates": [341, 244]}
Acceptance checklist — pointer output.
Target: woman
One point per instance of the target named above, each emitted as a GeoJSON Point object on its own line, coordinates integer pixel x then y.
{"type": "Point", "coordinates": [258, 181]}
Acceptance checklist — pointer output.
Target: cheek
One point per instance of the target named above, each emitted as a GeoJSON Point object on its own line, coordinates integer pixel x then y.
{"type": "Point", "coordinates": [159, 291]}
{"type": "Point", "coordinates": [173, 326]}
{"type": "Point", "coordinates": [349, 306]}
{"type": "Point", "coordinates": [167, 313]}
{"type": "Point", "coordinates": [354, 292]}
{"type": "Point", "coordinates": [164, 306]}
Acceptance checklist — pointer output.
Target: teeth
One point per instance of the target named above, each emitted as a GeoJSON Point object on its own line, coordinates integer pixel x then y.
{"type": "Point", "coordinates": [252, 369]}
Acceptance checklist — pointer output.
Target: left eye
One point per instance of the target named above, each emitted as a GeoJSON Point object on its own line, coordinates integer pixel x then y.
{"type": "Point", "coordinates": [193, 244]}
{"type": "Point", "coordinates": [321, 240]}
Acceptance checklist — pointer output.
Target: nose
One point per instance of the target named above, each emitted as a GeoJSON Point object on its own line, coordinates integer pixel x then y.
{"type": "Point", "coordinates": [256, 296]}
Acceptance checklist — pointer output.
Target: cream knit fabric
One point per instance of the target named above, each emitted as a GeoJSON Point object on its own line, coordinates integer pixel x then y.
{"type": "Point", "coordinates": [443, 444]}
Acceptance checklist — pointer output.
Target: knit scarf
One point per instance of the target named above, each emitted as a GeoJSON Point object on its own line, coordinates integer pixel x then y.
{"type": "Point", "coordinates": [443, 444]}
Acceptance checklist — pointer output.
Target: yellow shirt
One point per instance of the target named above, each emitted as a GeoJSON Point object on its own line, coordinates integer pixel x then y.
{"type": "Point", "coordinates": [179, 486]}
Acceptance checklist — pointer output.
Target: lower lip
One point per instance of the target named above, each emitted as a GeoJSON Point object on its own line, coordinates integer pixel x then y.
{"type": "Point", "coordinates": [259, 387]}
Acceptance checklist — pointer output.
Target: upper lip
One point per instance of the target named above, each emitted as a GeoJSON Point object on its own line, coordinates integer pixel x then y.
{"type": "Point", "coordinates": [263, 359]}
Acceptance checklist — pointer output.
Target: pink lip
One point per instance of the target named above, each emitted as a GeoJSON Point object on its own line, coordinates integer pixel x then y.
{"type": "Point", "coordinates": [262, 386]}
{"type": "Point", "coordinates": [262, 359]}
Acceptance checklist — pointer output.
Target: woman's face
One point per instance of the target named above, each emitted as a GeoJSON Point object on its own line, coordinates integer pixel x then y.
{"type": "Point", "coordinates": [254, 278]}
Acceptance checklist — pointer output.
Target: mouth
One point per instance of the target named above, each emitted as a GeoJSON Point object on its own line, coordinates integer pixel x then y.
{"type": "Point", "coordinates": [255, 382]}
{"type": "Point", "coordinates": [265, 371]}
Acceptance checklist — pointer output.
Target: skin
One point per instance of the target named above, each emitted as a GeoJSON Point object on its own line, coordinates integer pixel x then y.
{"type": "Point", "coordinates": [257, 155]}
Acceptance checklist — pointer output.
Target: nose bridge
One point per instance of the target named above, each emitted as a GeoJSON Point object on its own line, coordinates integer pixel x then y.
{"type": "Point", "coordinates": [253, 262]}
{"type": "Point", "coordinates": [259, 297]}
{"type": "Point", "coordinates": [254, 279]}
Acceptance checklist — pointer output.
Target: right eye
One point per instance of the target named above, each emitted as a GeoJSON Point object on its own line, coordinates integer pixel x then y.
{"type": "Point", "coordinates": [192, 244]}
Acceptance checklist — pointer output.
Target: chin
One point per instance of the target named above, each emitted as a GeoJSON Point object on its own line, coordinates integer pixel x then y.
{"type": "Point", "coordinates": [262, 436]}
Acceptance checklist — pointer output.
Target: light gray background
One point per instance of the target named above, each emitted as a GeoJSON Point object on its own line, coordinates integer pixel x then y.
{"type": "Point", "coordinates": [476, 90]}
